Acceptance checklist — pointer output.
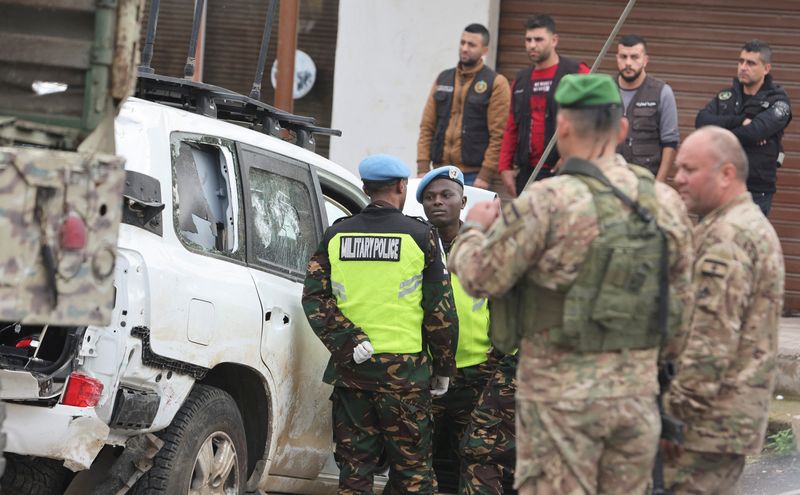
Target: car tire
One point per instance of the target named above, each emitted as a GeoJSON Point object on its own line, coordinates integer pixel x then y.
{"type": "Point", "coordinates": [26, 475]}
{"type": "Point", "coordinates": [203, 446]}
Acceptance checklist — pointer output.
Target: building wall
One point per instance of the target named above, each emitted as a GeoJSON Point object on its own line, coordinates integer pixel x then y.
{"type": "Point", "coordinates": [694, 46]}
{"type": "Point", "coordinates": [387, 56]}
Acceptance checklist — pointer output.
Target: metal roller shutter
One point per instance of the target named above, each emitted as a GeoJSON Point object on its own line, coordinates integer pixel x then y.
{"type": "Point", "coordinates": [233, 40]}
{"type": "Point", "coordinates": [693, 45]}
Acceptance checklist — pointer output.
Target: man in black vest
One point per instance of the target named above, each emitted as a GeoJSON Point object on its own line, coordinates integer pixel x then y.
{"type": "Point", "coordinates": [650, 108]}
{"type": "Point", "coordinates": [757, 111]}
{"type": "Point", "coordinates": [462, 123]}
{"type": "Point", "coordinates": [532, 120]}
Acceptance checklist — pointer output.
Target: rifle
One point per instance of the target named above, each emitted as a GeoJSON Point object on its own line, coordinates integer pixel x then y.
{"type": "Point", "coordinates": [671, 428]}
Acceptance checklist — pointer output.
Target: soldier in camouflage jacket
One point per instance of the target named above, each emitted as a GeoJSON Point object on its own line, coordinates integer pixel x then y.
{"type": "Point", "coordinates": [726, 373]}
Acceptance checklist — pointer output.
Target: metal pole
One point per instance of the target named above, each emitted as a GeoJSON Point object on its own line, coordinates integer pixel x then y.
{"type": "Point", "coordinates": [255, 93]}
{"type": "Point", "coordinates": [147, 50]}
{"type": "Point", "coordinates": [596, 64]}
{"type": "Point", "coordinates": [287, 45]}
{"type": "Point", "coordinates": [188, 70]}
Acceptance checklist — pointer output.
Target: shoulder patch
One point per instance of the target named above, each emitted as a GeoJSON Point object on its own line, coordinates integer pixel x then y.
{"type": "Point", "coordinates": [781, 109]}
{"type": "Point", "coordinates": [711, 267]}
{"type": "Point", "coordinates": [724, 95]}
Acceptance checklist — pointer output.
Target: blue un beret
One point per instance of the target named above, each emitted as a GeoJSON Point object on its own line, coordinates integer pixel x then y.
{"type": "Point", "coordinates": [382, 167]}
{"type": "Point", "coordinates": [447, 172]}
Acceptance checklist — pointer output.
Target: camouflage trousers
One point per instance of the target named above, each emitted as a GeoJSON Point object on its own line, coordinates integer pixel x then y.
{"type": "Point", "coordinates": [585, 447]}
{"type": "Point", "coordinates": [367, 424]}
{"type": "Point", "coordinates": [706, 473]}
{"type": "Point", "coordinates": [451, 415]}
{"type": "Point", "coordinates": [489, 446]}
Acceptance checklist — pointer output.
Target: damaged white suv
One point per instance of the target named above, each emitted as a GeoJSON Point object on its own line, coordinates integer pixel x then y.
{"type": "Point", "coordinates": [208, 347]}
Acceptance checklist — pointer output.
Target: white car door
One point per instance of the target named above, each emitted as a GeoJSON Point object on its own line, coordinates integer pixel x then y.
{"type": "Point", "coordinates": [283, 229]}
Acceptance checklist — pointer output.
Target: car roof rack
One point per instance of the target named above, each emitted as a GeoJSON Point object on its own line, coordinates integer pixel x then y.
{"type": "Point", "coordinates": [223, 104]}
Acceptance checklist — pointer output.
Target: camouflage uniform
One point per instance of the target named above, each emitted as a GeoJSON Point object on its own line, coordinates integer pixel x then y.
{"type": "Point", "coordinates": [727, 372]}
{"type": "Point", "coordinates": [572, 407]}
{"type": "Point", "coordinates": [489, 445]}
{"type": "Point", "coordinates": [451, 415]}
{"type": "Point", "coordinates": [384, 402]}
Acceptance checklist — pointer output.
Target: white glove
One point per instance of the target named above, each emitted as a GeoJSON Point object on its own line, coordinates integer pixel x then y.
{"type": "Point", "coordinates": [439, 385]}
{"type": "Point", "coordinates": [362, 352]}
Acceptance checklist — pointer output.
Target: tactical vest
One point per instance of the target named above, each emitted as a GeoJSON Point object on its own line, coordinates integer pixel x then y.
{"type": "Point", "coordinates": [643, 144]}
{"type": "Point", "coordinates": [473, 324]}
{"type": "Point", "coordinates": [474, 126]}
{"type": "Point", "coordinates": [389, 311]}
{"type": "Point", "coordinates": [521, 107]}
{"type": "Point", "coordinates": [620, 299]}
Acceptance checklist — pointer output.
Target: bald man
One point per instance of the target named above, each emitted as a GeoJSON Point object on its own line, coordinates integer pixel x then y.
{"type": "Point", "coordinates": [726, 373]}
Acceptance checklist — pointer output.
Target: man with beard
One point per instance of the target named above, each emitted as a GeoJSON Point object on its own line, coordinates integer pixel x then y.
{"type": "Point", "coordinates": [476, 416]}
{"type": "Point", "coordinates": [650, 108]}
{"type": "Point", "coordinates": [757, 111]}
{"type": "Point", "coordinates": [532, 120]}
{"type": "Point", "coordinates": [463, 119]}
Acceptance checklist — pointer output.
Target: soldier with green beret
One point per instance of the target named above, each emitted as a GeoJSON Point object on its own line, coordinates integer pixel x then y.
{"type": "Point", "coordinates": [589, 273]}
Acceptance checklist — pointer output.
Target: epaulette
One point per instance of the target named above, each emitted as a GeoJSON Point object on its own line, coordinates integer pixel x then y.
{"type": "Point", "coordinates": [341, 218]}
{"type": "Point", "coordinates": [421, 219]}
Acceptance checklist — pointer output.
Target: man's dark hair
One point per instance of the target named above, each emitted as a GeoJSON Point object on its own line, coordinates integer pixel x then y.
{"type": "Point", "coordinates": [541, 21]}
{"type": "Point", "coordinates": [479, 29]}
{"type": "Point", "coordinates": [378, 186]}
{"type": "Point", "coordinates": [631, 40]}
{"type": "Point", "coordinates": [758, 46]}
{"type": "Point", "coordinates": [595, 120]}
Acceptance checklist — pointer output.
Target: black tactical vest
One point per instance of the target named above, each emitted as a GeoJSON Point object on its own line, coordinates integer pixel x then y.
{"type": "Point", "coordinates": [474, 126]}
{"type": "Point", "coordinates": [643, 144]}
{"type": "Point", "coordinates": [521, 106]}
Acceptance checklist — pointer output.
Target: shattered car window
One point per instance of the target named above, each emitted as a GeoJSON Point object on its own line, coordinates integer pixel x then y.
{"type": "Point", "coordinates": [206, 206]}
{"type": "Point", "coordinates": [283, 220]}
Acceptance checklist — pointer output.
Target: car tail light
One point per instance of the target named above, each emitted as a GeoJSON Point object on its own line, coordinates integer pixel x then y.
{"type": "Point", "coordinates": [82, 391]}
{"type": "Point", "coordinates": [72, 235]}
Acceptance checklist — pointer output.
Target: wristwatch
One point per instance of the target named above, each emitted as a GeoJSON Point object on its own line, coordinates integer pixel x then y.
{"type": "Point", "coordinates": [469, 225]}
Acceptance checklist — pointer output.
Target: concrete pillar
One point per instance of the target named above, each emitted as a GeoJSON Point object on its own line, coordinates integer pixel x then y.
{"type": "Point", "coordinates": [388, 54]}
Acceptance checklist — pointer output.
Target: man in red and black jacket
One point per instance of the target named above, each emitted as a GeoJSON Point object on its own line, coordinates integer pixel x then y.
{"type": "Point", "coordinates": [532, 119]}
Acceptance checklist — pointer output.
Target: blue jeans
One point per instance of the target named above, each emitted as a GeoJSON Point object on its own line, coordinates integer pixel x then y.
{"type": "Point", "coordinates": [469, 178]}
{"type": "Point", "coordinates": [763, 200]}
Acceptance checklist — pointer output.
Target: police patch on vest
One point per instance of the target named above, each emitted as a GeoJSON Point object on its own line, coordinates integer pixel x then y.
{"type": "Point", "coordinates": [646, 104]}
{"type": "Point", "coordinates": [481, 87]}
{"type": "Point", "coordinates": [444, 89]}
{"type": "Point", "coordinates": [724, 95]}
{"type": "Point", "coordinates": [369, 248]}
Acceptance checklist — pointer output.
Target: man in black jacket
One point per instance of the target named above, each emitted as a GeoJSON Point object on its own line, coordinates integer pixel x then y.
{"type": "Point", "coordinates": [757, 111]}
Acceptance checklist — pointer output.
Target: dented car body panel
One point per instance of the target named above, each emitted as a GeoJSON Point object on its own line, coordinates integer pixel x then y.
{"type": "Point", "coordinates": [216, 287]}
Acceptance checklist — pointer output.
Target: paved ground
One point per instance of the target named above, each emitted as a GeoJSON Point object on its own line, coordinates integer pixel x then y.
{"type": "Point", "coordinates": [771, 475]}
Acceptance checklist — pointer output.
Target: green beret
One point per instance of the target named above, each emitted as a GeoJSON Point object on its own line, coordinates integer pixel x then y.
{"type": "Point", "coordinates": [587, 90]}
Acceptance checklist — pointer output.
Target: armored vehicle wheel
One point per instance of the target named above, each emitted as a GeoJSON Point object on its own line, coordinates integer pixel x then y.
{"type": "Point", "coordinates": [204, 449]}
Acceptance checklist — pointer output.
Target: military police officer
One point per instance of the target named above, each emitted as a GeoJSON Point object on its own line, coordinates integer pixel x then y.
{"type": "Point", "coordinates": [727, 371]}
{"type": "Point", "coordinates": [488, 448]}
{"type": "Point", "coordinates": [583, 259]}
{"type": "Point", "coordinates": [378, 295]}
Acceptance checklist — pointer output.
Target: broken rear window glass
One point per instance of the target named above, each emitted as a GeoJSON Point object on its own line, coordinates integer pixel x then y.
{"type": "Point", "coordinates": [205, 203]}
{"type": "Point", "coordinates": [283, 220]}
